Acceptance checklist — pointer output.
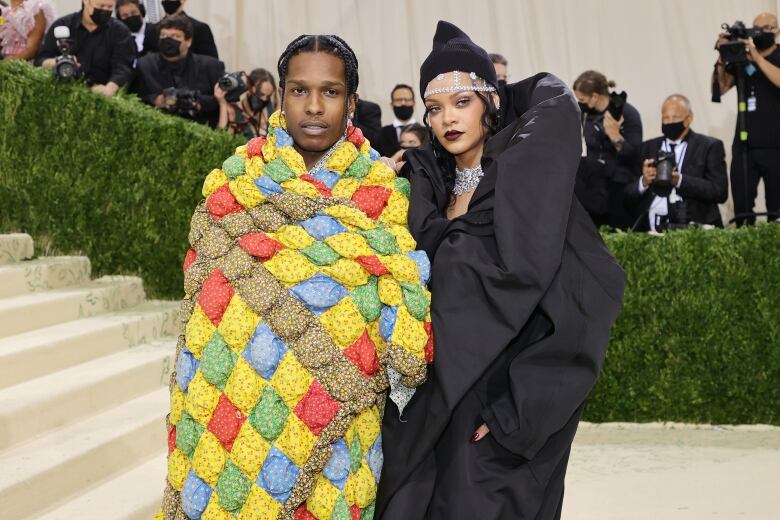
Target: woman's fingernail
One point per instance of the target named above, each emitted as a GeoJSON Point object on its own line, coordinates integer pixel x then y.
{"type": "Point", "coordinates": [475, 437]}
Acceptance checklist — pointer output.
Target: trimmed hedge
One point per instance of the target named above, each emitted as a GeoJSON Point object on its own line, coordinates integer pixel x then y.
{"type": "Point", "coordinates": [698, 339]}
{"type": "Point", "coordinates": [111, 178]}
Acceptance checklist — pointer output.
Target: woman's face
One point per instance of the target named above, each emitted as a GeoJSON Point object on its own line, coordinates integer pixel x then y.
{"type": "Point", "coordinates": [409, 140]}
{"type": "Point", "coordinates": [456, 118]}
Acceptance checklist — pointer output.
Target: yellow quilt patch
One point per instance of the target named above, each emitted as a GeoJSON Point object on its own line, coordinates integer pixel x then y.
{"type": "Point", "coordinates": [294, 237]}
{"type": "Point", "coordinates": [198, 331]}
{"type": "Point", "coordinates": [178, 468]}
{"type": "Point", "coordinates": [402, 237]}
{"type": "Point", "coordinates": [244, 387]}
{"type": "Point", "coordinates": [214, 180]}
{"type": "Point", "coordinates": [301, 187]}
{"type": "Point", "coordinates": [259, 506]}
{"type": "Point", "coordinates": [342, 158]}
{"type": "Point", "coordinates": [291, 380]}
{"type": "Point", "coordinates": [246, 192]}
{"type": "Point", "coordinates": [289, 266]}
{"type": "Point", "coordinates": [351, 216]}
{"type": "Point", "coordinates": [345, 188]}
{"type": "Point", "coordinates": [349, 245]}
{"type": "Point", "coordinates": [390, 292]}
{"type": "Point", "coordinates": [202, 398]}
{"type": "Point", "coordinates": [347, 272]}
{"type": "Point", "coordinates": [410, 333]}
{"type": "Point", "coordinates": [296, 440]}
{"type": "Point", "coordinates": [361, 487]}
{"type": "Point", "coordinates": [177, 405]}
{"type": "Point", "coordinates": [209, 458]}
{"type": "Point", "coordinates": [292, 159]}
{"type": "Point", "coordinates": [249, 450]}
{"type": "Point", "coordinates": [397, 209]}
{"type": "Point", "coordinates": [403, 268]}
{"type": "Point", "coordinates": [238, 324]}
{"type": "Point", "coordinates": [323, 498]}
{"type": "Point", "coordinates": [344, 322]}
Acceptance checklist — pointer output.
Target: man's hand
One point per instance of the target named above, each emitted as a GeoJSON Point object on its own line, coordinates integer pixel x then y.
{"type": "Point", "coordinates": [675, 178]}
{"type": "Point", "coordinates": [108, 89]}
{"type": "Point", "coordinates": [612, 127]}
{"type": "Point", "coordinates": [753, 54]}
{"type": "Point", "coordinates": [648, 173]}
{"type": "Point", "coordinates": [159, 101]}
{"type": "Point", "coordinates": [722, 38]}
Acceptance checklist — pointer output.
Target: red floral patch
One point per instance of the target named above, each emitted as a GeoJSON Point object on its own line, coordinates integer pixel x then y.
{"type": "Point", "coordinates": [215, 296]}
{"type": "Point", "coordinates": [222, 202]}
{"type": "Point", "coordinates": [372, 200]}
{"type": "Point", "coordinates": [321, 187]}
{"type": "Point", "coordinates": [171, 439]}
{"type": "Point", "coordinates": [260, 245]}
{"type": "Point", "coordinates": [189, 259]}
{"type": "Point", "coordinates": [429, 345]}
{"type": "Point", "coordinates": [317, 408]}
{"type": "Point", "coordinates": [355, 136]}
{"type": "Point", "coordinates": [363, 354]}
{"type": "Point", "coordinates": [226, 421]}
{"type": "Point", "coordinates": [373, 265]}
{"type": "Point", "coordinates": [254, 148]}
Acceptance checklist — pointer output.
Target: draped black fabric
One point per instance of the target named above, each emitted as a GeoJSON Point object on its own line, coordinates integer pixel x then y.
{"type": "Point", "coordinates": [524, 295]}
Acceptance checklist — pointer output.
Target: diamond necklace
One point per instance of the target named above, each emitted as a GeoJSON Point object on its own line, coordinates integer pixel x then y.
{"type": "Point", "coordinates": [466, 180]}
{"type": "Point", "coordinates": [324, 159]}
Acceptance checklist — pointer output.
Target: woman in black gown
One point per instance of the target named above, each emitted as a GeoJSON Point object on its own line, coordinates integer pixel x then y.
{"type": "Point", "coordinates": [524, 295]}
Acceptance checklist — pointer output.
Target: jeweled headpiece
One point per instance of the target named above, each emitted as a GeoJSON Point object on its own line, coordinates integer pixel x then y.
{"type": "Point", "coordinates": [457, 81]}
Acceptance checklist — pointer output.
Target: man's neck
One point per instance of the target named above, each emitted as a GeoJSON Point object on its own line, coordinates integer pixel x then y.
{"type": "Point", "coordinates": [309, 158]}
{"type": "Point", "coordinates": [86, 21]}
{"type": "Point", "coordinates": [767, 52]}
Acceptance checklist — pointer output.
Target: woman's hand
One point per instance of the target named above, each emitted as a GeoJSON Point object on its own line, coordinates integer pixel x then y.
{"type": "Point", "coordinates": [481, 433]}
{"type": "Point", "coordinates": [612, 127]}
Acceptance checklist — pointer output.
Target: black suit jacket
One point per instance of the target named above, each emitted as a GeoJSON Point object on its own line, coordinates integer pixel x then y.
{"type": "Point", "coordinates": [388, 141]}
{"type": "Point", "coordinates": [202, 38]}
{"type": "Point", "coordinates": [704, 180]}
{"type": "Point", "coordinates": [368, 117]}
{"type": "Point", "coordinates": [200, 73]}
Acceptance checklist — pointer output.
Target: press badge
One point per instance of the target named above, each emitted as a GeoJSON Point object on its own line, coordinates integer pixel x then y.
{"type": "Point", "coordinates": [752, 104]}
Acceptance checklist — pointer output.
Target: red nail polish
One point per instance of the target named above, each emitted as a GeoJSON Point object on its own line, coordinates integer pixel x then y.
{"type": "Point", "coordinates": [475, 437]}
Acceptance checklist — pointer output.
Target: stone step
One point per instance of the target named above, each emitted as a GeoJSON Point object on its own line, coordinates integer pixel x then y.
{"type": "Point", "coordinates": [133, 495]}
{"type": "Point", "coordinates": [15, 247]}
{"type": "Point", "coordinates": [32, 311]}
{"type": "Point", "coordinates": [35, 407]}
{"type": "Point", "coordinates": [65, 464]}
{"type": "Point", "coordinates": [43, 274]}
{"type": "Point", "coordinates": [36, 353]}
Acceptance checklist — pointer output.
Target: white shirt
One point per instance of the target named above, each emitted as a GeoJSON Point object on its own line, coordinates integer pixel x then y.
{"type": "Point", "coordinates": [139, 37]}
{"type": "Point", "coordinates": [659, 205]}
{"type": "Point", "coordinates": [398, 124]}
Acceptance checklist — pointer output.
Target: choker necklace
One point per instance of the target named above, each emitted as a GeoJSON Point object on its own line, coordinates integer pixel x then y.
{"type": "Point", "coordinates": [466, 180]}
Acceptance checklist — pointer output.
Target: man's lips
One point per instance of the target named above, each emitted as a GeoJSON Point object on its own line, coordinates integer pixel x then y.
{"type": "Point", "coordinates": [452, 135]}
{"type": "Point", "coordinates": [313, 128]}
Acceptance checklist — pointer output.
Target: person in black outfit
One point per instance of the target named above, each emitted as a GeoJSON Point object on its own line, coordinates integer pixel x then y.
{"type": "Point", "coordinates": [132, 13]}
{"type": "Point", "coordinates": [700, 180]}
{"type": "Point", "coordinates": [202, 37]}
{"type": "Point", "coordinates": [368, 117]}
{"type": "Point", "coordinates": [762, 84]}
{"type": "Point", "coordinates": [102, 45]}
{"type": "Point", "coordinates": [610, 155]}
{"type": "Point", "coordinates": [177, 67]}
{"type": "Point", "coordinates": [402, 103]}
{"type": "Point", "coordinates": [524, 295]}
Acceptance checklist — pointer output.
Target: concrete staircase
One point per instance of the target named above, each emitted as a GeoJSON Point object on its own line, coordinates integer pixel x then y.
{"type": "Point", "coordinates": [84, 369]}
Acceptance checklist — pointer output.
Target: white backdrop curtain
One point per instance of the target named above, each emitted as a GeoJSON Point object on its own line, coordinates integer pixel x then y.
{"type": "Point", "coordinates": [650, 48]}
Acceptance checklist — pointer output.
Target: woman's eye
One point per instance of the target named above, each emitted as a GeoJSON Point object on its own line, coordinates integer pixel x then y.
{"type": "Point", "coordinates": [462, 102]}
{"type": "Point", "coordinates": [433, 110]}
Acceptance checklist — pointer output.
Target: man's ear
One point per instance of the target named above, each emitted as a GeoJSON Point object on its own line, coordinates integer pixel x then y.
{"type": "Point", "coordinates": [352, 105]}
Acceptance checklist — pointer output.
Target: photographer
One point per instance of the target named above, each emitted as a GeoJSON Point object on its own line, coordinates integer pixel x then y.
{"type": "Point", "coordinates": [176, 79]}
{"type": "Point", "coordinates": [698, 181]}
{"type": "Point", "coordinates": [612, 131]}
{"type": "Point", "coordinates": [102, 46]}
{"type": "Point", "coordinates": [245, 107]}
{"type": "Point", "coordinates": [761, 70]}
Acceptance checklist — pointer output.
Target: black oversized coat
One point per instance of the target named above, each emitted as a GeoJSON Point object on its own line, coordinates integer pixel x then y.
{"type": "Point", "coordinates": [524, 296]}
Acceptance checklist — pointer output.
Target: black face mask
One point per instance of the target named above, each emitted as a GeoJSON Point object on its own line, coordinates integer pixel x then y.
{"type": "Point", "coordinates": [764, 40]}
{"type": "Point", "coordinates": [169, 47]}
{"type": "Point", "coordinates": [171, 6]}
{"type": "Point", "coordinates": [100, 16]}
{"type": "Point", "coordinates": [133, 23]}
{"type": "Point", "coordinates": [403, 113]}
{"type": "Point", "coordinates": [585, 109]}
{"type": "Point", "coordinates": [673, 131]}
{"type": "Point", "coordinates": [257, 104]}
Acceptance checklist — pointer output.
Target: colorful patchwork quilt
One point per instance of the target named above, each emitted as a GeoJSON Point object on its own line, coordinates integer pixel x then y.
{"type": "Point", "coordinates": [302, 291]}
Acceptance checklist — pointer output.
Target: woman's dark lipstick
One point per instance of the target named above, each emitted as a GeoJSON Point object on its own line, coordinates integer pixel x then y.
{"type": "Point", "coordinates": [452, 135]}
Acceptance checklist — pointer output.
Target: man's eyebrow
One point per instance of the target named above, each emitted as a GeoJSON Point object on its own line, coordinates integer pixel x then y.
{"type": "Point", "coordinates": [324, 83]}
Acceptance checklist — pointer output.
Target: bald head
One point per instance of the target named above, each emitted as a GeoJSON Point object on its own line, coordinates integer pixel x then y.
{"type": "Point", "coordinates": [677, 104]}
{"type": "Point", "coordinates": [765, 20]}
{"type": "Point", "coordinates": [676, 109]}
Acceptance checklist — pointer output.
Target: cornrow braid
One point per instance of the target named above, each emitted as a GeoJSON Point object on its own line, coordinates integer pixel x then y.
{"type": "Point", "coordinates": [329, 43]}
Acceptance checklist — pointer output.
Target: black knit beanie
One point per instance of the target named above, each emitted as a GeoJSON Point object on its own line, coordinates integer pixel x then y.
{"type": "Point", "coordinates": [454, 50]}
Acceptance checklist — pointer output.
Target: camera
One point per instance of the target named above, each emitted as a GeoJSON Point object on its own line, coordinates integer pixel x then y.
{"type": "Point", "coordinates": [616, 104]}
{"type": "Point", "coordinates": [677, 217]}
{"type": "Point", "coordinates": [65, 65]}
{"type": "Point", "coordinates": [233, 84]}
{"type": "Point", "coordinates": [182, 101]}
{"type": "Point", "coordinates": [665, 164]}
{"type": "Point", "coordinates": [733, 52]}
